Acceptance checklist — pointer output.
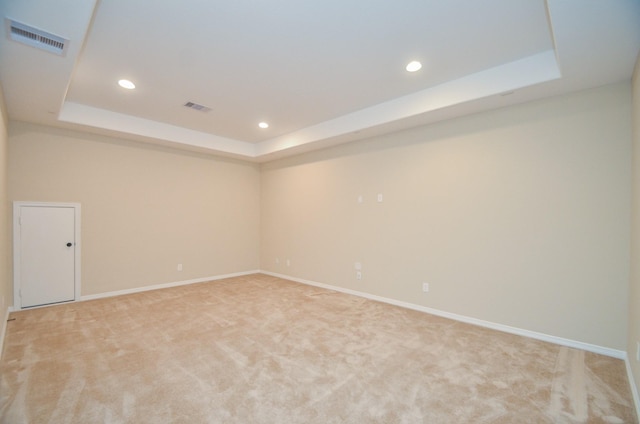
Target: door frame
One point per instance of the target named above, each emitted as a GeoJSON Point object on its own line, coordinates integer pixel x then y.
{"type": "Point", "coordinates": [17, 302]}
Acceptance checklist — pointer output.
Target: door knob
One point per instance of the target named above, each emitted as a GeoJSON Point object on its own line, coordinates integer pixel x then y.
{"type": "Point", "coordinates": [69, 244]}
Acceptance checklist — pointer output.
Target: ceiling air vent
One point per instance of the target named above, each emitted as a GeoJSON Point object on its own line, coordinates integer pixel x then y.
{"type": "Point", "coordinates": [36, 37]}
{"type": "Point", "coordinates": [198, 107]}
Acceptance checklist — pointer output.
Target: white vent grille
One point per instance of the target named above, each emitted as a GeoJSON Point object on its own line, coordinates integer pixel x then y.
{"type": "Point", "coordinates": [36, 37]}
{"type": "Point", "coordinates": [197, 107]}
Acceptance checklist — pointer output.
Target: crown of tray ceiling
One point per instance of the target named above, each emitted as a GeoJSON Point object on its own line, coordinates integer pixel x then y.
{"type": "Point", "coordinates": [312, 74]}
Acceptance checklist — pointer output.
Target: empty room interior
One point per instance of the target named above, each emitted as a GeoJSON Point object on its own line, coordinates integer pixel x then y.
{"type": "Point", "coordinates": [320, 211]}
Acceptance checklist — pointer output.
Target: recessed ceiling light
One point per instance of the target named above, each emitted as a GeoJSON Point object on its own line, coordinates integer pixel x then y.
{"type": "Point", "coordinates": [126, 84]}
{"type": "Point", "coordinates": [414, 66]}
{"type": "Point", "coordinates": [263, 125]}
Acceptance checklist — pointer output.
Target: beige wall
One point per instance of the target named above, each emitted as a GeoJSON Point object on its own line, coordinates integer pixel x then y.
{"type": "Point", "coordinates": [518, 216]}
{"type": "Point", "coordinates": [6, 275]}
{"type": "Point", "coordinates": [634, 292]}
{"type": "Point", "coordinates": [144, 208]}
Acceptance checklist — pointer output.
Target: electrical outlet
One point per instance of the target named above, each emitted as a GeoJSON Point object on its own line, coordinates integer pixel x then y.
{"type": "Point", "coordinates": [179, 268]}
{"type": "Point", "coordinates": [288, 262]}
{"type": "Point", "coordinates": [358, 275]}
{"type": "Point", "coordinates": [425, 287]}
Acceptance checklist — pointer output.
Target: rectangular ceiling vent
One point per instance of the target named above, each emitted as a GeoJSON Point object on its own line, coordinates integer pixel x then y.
{"type": "Point", "coordinates": [197, 107]}
{"type": "Point", "coordinates": [36, 37]}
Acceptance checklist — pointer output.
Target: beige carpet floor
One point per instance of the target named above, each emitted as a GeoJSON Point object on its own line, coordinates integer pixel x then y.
{"type": "Point", "coordinates": [259, 349]}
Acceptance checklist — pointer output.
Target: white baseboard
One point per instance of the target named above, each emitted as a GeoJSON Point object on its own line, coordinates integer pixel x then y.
{"type": "Point", "coordinates": [165, 285]}
{"type": "Point", "coordinates": [632, 383]}
{"type": "Point", "coordinates": [3, 331]}
{"type": "Point", "coordinates": [620, 354]}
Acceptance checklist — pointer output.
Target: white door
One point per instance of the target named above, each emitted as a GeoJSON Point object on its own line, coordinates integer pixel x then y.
{"type": "Point", "coordinates": [45, 260]}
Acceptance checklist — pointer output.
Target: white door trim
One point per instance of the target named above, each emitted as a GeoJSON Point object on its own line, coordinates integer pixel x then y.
{"type": "Point", "coordinates": [17, 241]}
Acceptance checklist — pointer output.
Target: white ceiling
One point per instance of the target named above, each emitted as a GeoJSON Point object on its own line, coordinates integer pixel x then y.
{"type": "Point", "coordinates": [320, 72]}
